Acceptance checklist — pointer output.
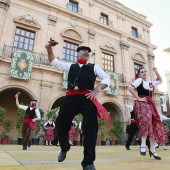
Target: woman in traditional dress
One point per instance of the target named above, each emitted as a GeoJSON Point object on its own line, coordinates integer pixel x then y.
{"type": "Point", "coordinates": [148, 119]}
{"type": "Point", "coordinates": [49, 133]}
{"type": "Point", "coordinates": [72, 132]}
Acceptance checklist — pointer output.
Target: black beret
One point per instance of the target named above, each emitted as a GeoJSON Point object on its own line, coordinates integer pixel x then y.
{"type": "Point", "coordinates": [83, 47]}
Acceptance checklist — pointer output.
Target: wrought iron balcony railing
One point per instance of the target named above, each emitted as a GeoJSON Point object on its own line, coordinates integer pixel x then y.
{"type": "Point", "coordinates": [105, 21]}
{"type": "Point", "coordinates": [137, 35]}
{"type": "Point", "coordinates": [120, 78]}
{"type": "Point", "coordinates": [74, 8]}
{"type": "Point", "coordinates": [39, 58]}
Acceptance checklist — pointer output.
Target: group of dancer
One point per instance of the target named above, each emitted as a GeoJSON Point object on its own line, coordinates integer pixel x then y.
{"type": "Point", "coordinates": [81, 97]}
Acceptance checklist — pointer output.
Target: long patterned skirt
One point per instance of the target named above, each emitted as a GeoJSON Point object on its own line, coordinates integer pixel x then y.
{"type": "Point", "coordinates": [72, 133]}
{"type": "Point", "coordinates": [149, 122]}
{"type": "Point", "coordinates": [49, 134]}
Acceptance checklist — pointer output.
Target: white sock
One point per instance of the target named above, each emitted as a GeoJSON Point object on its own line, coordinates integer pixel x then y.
{"type": "Point", "coordinates": [164, 146]}
{"type": "Point", "coordinates": [156, 144]}
{"type": "Point", "coordinates": [143, 143]}
{"type": "Point", "coordinates": [152, 145]}
{"type": "Point", "coordinates": [46, 142]}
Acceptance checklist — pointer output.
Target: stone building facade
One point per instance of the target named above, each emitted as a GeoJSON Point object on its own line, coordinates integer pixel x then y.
{"type": "Point", "coordinates": [118, 36]}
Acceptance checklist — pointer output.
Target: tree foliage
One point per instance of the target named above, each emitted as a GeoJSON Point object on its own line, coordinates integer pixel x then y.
{"type": "Point", "coordinates": [116, 130]}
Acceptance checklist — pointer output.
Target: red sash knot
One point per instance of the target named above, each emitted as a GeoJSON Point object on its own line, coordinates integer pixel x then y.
{"type": "Point", "coordinates": [101, 111]}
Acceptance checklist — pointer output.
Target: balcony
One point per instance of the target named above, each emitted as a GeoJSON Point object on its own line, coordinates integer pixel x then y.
{"type": "Point", "coordinates": [39, 58]}
{"type": "Point", "coordinates": [137, 35]}
{"type": "Point", "coordinates": [105, 21]}
{"type": "Point", "coordinates": [120, 78]}
{"type": "Point", "coordinates": [74, 8]}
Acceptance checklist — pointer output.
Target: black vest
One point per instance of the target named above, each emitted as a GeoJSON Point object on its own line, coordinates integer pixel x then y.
{"type": "Point", "coordinates": [48, 125]}
{"type": "Point", "coordinates": [82, 77]}
{"type": "Point", "coordinates": [132, 113]}
{"type": "Point", "coordinates": [30, 113]}
{"type": "Point", "coordinates": [143, 92]}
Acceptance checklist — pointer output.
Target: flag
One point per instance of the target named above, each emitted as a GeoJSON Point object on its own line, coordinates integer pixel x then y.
{"type": "Point", "coordinates": [22, 63]}
{"type": "Point", "coordinates": [113, 89]}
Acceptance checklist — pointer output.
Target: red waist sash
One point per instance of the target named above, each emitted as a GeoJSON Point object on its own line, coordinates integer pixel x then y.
{"type": "Point", "coordinates": [32, 124]}
{"type": "Point", "coordinates": [101, 111]}
{"type": "Point", "coordinates": [133, 121]}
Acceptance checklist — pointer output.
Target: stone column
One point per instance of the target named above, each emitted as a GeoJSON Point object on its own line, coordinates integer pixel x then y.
{"type": "Point", "coordinates": [91, 41]}
{"type": "Point", "coordinates": [4, 5]}
{"type": "Point", "coordinates": [45, 92]}
{"type": "Point", "coordinates": [51, 26]}
{"type": "Point", "coordinates": [124, 55]}
{"type": "Point", "coordinates": [151, 57]}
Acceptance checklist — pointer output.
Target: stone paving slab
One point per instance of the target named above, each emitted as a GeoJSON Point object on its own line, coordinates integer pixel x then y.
{"type": "Point", "coordinates": [40, 157]}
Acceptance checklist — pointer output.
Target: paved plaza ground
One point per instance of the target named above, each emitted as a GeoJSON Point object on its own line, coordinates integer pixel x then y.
{"type": "Point", "coordinates": [39, 157]}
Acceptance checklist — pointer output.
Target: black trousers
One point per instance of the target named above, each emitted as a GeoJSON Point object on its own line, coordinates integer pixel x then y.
{"type": "Point", "coordinates": [133, 129]}
{"type": "Point", "coordinates": [82, 139]}
{"type": "Point", "coordinates": [71, 106]}
{"type": "Point", "coordinates": [26, 132]}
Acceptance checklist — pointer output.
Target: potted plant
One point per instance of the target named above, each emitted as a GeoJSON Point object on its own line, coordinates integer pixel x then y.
{"type": "Point", "coordinates": [102, 128]}
{"type": "Point", "coordinates": [7, 126]}
{"type": "Point", "coordinates": [2, 114]}
{"type": "Point", "coordinates": [116, 131]}
{"type": "Point", "coordinates": [20, 115]}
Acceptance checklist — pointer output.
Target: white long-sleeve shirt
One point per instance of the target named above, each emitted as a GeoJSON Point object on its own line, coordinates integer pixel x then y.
{"type": "Point", "coordinates": [50, 122]}
{"type": "Point", "coordinates": [80, 125]}
{"type": "Point", "coordinates": [74, 123]}
{"type": "Point", "coordinates": [162, 117]}
{"type": "Point", "coordinates": [97, 70]}
{"type": "Point", "coordinates": [129, 107]}
{"type": "Point", "coordinates": [37, 112]}
{"type": "Point", "coordinates": [148, 85]}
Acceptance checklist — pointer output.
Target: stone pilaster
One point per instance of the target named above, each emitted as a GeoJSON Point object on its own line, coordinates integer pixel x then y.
{"type": "Point", "coordinates": [44, 97]}
{"type": "Point", "coordinates": [124, 54]}
{"type": "Point", "coordinates": [151, 57]}
{"type": "Point", "coordinates": [4, 5]}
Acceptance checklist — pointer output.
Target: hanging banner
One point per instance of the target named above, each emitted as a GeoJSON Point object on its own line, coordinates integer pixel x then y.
{"type": "Point", "coordinates": [22, 63]}
{"type": "Point", "coordinates": [114, 84]}
{"type": "Point", "coordinates": [65, 80]}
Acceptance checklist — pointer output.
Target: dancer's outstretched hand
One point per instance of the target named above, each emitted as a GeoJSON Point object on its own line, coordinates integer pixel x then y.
{"type": "Point", "coordinates": [53, 42]}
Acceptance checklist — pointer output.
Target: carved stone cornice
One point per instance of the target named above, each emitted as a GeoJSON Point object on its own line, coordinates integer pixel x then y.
{"type": "Point", "coordinates": [4, 4]}
{"type": "Point", "coordinates": [73, 34]}
{"type": "Point", "coordinates": [73, 21]}
{"type": "Point", "coordinates": [124, 45]}
{"type": "Point", "coordinates": [52, 20]}
{"type": "Point", "coordinates": [27, 20]}
{"type": "Point", "coordinates": [46, 85]}
{"type": "Point", "coordinates": [109, 48]}
{"type": "Point", "coordinates": [91, 33]}
{"type": "Point", "coordinates": [150, 54]}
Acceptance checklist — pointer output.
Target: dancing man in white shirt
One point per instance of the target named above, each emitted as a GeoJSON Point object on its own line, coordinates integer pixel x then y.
{"type": "Point", "coordinates": [79, 99]}
{"type": "Point", "coordinates": [32, 114]}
